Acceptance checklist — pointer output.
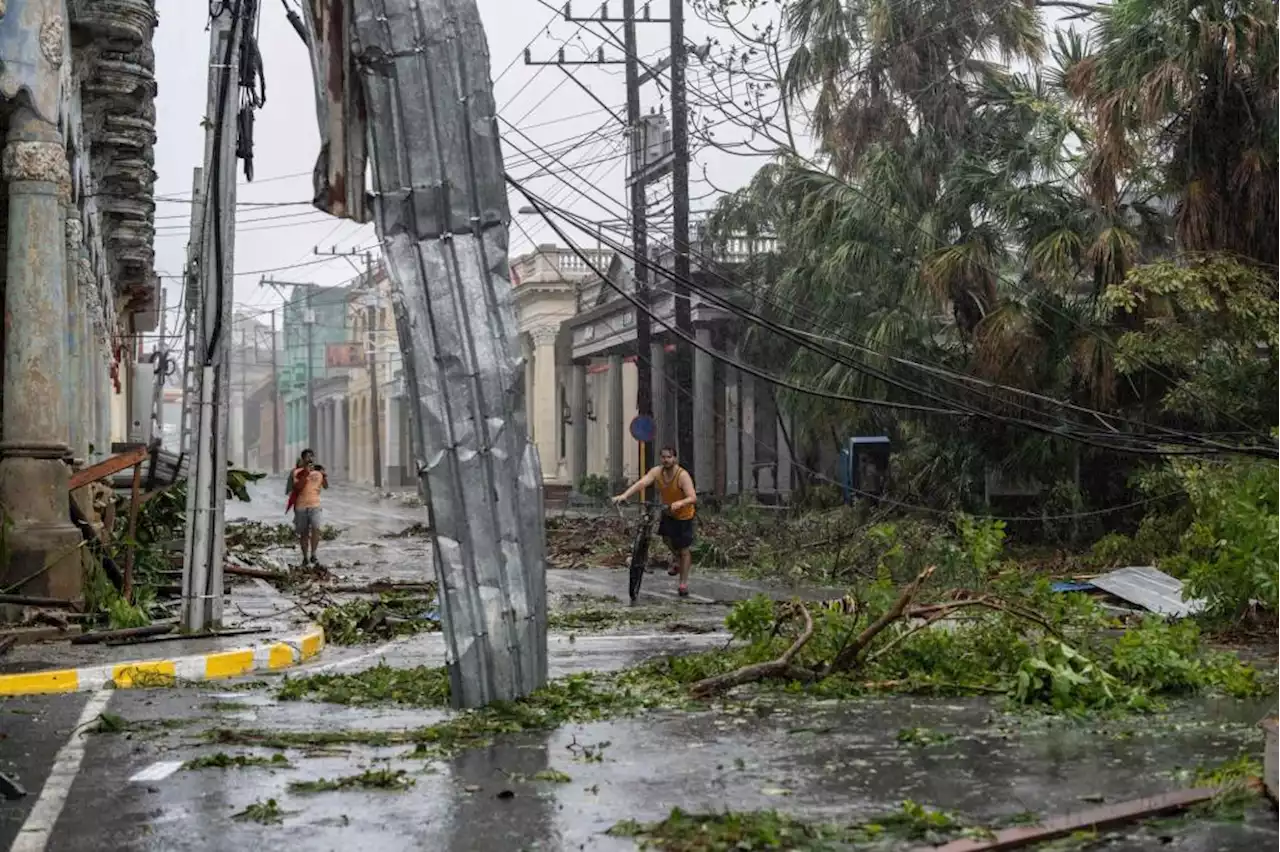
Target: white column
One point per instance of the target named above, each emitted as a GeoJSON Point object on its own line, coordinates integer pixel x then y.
{"type": "Point", "coordinates": [578, 428]}
{"type": "Point", "coordinates": [704, 444]}
{"type": "Point", "coordinates": [614, 424]}
{"type": "Point", "coordinates": [391, 458]}
{"type": "Point", "coordinates": [732, 437]}
{"type": "Point", "coordinates": [663, 431]}
{"type": "Point", "coordinates": [546, 403]}
{"type": "Point", "coordinates": [747, 385]}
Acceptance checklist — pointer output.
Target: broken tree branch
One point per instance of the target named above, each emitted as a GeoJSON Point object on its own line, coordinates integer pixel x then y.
{"type": "Point", "coordinates": [848, 657]}
{"type": "Point", "coordinates": [781, 667]}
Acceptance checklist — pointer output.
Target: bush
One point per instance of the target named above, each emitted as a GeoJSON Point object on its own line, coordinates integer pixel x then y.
{"type": "Point", "coordinates": [1228, 554]}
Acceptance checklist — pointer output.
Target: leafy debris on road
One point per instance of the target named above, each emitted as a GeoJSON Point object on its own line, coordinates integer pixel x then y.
{"type": "Point", "coordinates": [608, 617]}
{"type": "Point", "coordinates": [257, 535]}
{"type": "Point", "coordinates": [371, 779]}
{"type": "Point", "coordinates": [415, 530]}
{"type": "Point", "coordinates": [267, 813]}
{"type": "Point", "coordinates": [222, 760]}
{"type": "Point", "coordinates": [422, 686]}
{"type": "Point", "coordinates": [763, 830]}
{"type": "Point", "coordinates": [390, 615]}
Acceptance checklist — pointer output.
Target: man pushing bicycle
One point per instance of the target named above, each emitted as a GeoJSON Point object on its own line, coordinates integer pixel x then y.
{"type": "Point", "coordinates": [675, 489]}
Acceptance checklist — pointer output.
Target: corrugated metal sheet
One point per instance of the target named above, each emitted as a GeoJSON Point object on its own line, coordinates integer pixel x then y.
{"type": "Point", "coordinates": [440, 206]}
{"type": "Point", "coordinates": [1150, 589]}
{"type": "Point", "coordinates": [339, 174]}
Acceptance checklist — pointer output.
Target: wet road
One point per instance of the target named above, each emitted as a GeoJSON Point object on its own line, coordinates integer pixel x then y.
{"type": "Point", "coordinates": [830, 762]}
{"type": "Point", "coordinates": [128, 791]}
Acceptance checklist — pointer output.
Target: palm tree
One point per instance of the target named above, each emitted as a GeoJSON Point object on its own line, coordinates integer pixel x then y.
{"type": "Point", "coordinates": [1192, 85]}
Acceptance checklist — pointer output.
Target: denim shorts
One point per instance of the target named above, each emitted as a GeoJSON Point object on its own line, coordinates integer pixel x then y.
{"type": "Point", "coordinates": [306, 520]}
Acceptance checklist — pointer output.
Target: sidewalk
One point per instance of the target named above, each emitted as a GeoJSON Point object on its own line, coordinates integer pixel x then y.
{"type": "Point", "coordinates": [283, 637]}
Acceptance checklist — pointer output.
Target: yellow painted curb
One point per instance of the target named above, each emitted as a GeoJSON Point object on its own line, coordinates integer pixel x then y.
{"type": "Point", "coordinates": [148, 674]}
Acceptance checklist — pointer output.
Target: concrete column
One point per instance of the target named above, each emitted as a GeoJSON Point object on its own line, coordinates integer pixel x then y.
{"type": "Point", "coordinates": [394, 472]}
{"type": "Point", "coordinates": [614, 424]}
{"type": "Point", "coordinates": [42, 543]}
{"type": "Point", "coordinates": [664, 433]}
{"type": "Point", "coordinates": [546, 401]}
{"type": "Point", "coordinates": [578, 426]}
{"type": "Point", "coordinates": [747, 390]}
{"type": "Point", "coordinates": [704, 444]}
{"type": "Point", "coordinates": [732, 435]}
{"type": "Point", "coordinates": [784, 454]}
{"type": "Point", "coordinates": [343, 460]}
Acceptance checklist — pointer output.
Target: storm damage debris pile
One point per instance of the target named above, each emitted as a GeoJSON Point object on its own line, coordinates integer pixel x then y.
{"type": "Point", "coordinates": [388, 616]}
{"type": "Point", "coordinates": [1034, 647]}
{"type": "Point", "coordinates": [389, 75]}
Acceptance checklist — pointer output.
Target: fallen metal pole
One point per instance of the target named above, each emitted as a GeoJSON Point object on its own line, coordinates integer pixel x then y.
{"type": "Point", "coordinates": [1105, 816]}
{"type": "Point", "coordinates": [440, 206]}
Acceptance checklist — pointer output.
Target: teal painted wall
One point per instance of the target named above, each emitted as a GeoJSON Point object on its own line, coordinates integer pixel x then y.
{"type": "Point", "coordinates": [329, 305]}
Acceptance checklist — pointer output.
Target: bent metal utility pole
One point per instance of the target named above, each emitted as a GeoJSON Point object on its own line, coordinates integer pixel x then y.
{"type": "Point", "coordinates": [423, 64]}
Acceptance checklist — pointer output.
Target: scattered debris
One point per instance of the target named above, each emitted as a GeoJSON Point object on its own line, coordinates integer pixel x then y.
{"type": "Point", "coordinates": [1150, 589]}
{"type": "Point", "coordinates": [1091, 819]}
{"type": "Point", "coordinates": [10, 788]}
{"type": "Point", "coordinates": [371, 779]}
{"type": "Point", "coordinates": [923, 737]}
{"type": "Point", "coordinates": [418, 687]}
{"type": "Point", "coordinates": [266, 813]}
{"type": "Point", "coordinates": [359, 621]}
{"type": "Point", "coordinates": [414, 530]}
{"type": "Point", "coordinates": [222, 760]}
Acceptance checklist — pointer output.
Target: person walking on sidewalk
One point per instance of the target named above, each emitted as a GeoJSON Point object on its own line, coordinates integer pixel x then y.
{"type": "Point", "coordinates": [308, 480]}
{"type": "Point", "coordinates": [675, 489]}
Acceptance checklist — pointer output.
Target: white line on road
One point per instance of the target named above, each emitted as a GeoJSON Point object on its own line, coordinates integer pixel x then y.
{"type": "Point", "coordinates": [157, 771]}
{"type": "Point", "coordinates": [34, 836]}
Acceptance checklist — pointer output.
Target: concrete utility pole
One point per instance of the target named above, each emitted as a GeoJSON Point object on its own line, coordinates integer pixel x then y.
{"type": "Point", "coordinates": [683, 361]}
{"type": "Point", "coordinates": [639, 234]}
{"type": "Point", "coordinates": [207, 485]}
{"type": "Point", "coordinates": [643, 173]}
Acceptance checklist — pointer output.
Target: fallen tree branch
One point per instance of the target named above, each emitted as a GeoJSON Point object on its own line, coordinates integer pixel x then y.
{"type": "Point", "coordinates": [779, 668]}
{"type": "Point", "coordinates": [848, 657]}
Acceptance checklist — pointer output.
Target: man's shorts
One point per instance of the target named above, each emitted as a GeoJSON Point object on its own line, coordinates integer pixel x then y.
{"type": "Point", "coordinates": [678, 533]}
{"type": "Point", "coordinates": [306, 520]}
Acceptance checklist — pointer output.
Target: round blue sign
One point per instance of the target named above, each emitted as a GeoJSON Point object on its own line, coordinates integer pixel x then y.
{"type": "Point", "coordinates": [642, 428]}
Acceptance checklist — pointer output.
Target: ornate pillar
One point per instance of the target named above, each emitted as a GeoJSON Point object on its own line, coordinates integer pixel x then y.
{"type": "Point", "coordinates": [546, 401]}
{"type": "Point", "coordinates": [43, 544]}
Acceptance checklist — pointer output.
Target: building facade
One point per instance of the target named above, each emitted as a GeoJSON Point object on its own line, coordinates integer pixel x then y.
{"type": "Point", "coordinates": [76, 252]}
{"type": "Point", "coordinates": [313, 318]}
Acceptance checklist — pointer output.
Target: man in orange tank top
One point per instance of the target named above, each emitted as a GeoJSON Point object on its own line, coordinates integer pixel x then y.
{"type": "Point", "coordinates": [675, 489]}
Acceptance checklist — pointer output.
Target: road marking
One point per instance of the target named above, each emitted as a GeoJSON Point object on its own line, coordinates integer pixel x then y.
{"type": "Point", "coordinates": [351, 661]}
{"type": "Point", "coordinates": [158, 771]}
{"type": "Point", "coordinates": [34, 836]}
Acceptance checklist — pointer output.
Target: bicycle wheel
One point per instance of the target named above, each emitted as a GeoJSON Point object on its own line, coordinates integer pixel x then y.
{"type": "Point", "coordinates": [639, 560]}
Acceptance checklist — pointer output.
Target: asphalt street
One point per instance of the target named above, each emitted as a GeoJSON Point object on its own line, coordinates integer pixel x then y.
{"type": "Point", "coordinates": [108, 770]}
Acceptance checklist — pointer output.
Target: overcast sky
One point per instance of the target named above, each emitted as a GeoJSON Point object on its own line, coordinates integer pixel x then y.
{"type": "Point", "coordinates": [540, 100]}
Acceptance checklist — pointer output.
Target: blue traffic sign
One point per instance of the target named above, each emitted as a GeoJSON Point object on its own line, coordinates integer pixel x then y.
{"type": "Point", "coordinates": [642, 428]}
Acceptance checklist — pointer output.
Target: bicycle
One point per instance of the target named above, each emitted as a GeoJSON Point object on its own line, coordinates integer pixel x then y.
{"type": "Point", "coordinates": [640, 548]}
